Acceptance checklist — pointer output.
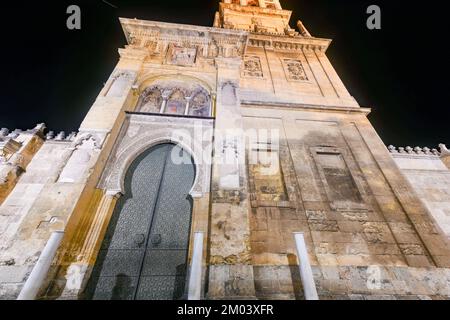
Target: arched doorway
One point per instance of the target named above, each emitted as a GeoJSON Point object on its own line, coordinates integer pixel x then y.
{"type": "Point", "coordinates": [144, 254]}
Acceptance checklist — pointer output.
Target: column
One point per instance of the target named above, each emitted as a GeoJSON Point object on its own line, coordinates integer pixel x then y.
{"type": "Point", "coordinates": [165, 96]}
{"type": "Point", "coordinates": [188, 104]}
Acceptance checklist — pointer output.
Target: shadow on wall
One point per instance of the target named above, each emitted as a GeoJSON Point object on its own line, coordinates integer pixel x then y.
{"type": "Point", "coordinates": [296, 278]}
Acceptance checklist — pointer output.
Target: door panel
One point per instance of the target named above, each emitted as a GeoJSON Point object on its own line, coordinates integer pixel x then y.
{"type": "Point", "coordinates": [144, 253]}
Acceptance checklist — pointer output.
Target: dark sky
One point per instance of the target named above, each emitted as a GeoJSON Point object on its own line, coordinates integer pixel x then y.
{"type": "Point", "coordinates": [52, 75]}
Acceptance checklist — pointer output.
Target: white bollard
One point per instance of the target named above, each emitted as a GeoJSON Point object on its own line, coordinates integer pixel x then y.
{"type": "Point", "coordinates": [37, 277]}
{"type": "Point", "coordinates": [195, 278]}
{"type": "Point", "coordinates": [309, 286]}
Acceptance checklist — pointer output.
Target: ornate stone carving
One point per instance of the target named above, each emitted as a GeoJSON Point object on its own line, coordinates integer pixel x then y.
{"type": "Point", "coordinates": [180, 55]}
{"type": "Point", "coordinates": [323, 225]}
{"type": "Point", "coordinates": [252, 67]}
{"type": "Point", "coordinates": [294, 70]}
{"type": "Point", "coordinates": [151, 100]}
{"type": "Point", "coordinates": [355, 216]}
{"type": "Point", "coordinates": [373, 232]}
{"type": "Point", "coordinates": [316, 215]}
{"type": "Point", "coordinates": [151, 130]}
{"type": "Point", "coordinates": [412, 249]}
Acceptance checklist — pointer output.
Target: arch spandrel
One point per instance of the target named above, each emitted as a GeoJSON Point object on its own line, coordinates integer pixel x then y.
{"type": "Point", "coordinates": [148, 80]}
{"type": "Point", "coordinates": [144, 132]}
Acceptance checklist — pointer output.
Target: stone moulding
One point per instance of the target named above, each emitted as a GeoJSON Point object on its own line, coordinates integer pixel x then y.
{"type": "Point", "coordinates": [143, 131]}
{"type": "Point", "coordinates": [264, 101]}
{"type": "Point", "coordinates": [216, 42]}
{"type": "Point", "coordinates": [288, 44]}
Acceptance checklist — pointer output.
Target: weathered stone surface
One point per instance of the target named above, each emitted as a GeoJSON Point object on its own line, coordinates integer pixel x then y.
{"type": "Point", "coordinates": [376, 221]}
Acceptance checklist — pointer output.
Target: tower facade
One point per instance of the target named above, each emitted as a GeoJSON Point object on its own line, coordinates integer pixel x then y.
{"type": "Point", "coordinates": [242, 132]}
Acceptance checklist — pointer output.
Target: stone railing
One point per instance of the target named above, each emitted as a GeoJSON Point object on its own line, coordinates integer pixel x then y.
{"type": "Point", "coordinates": [414, 151]}
{"type": "Point", "coordinates": [62, 137]}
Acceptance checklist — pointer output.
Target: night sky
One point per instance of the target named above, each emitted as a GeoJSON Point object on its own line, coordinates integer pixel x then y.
{"type": "Point", "coordinates": [53, 75]}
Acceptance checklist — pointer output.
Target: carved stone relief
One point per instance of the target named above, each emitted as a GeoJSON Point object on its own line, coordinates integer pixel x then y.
{"type": "Point", "coordinates": [252, 67]}
{"type": "Point", "coordinates": [179, 55]}
{"type": "Point", "coordinates": [151, 130]}
{"type": "Point", "coordinates": [151, 101]}
{"type": "Point", "coordinates": [170, 96]}
{"type": "Point", "coordinates": [294, 70]}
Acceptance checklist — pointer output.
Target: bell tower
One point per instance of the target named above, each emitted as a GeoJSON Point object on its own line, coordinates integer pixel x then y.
{"type": "Point", "coordinates": [258, 16]}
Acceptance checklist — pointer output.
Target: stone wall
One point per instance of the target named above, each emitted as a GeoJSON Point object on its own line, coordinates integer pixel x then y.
{"type": "Point", "coordinates": [36, 207]}
{"type": "Point", "coordinates": [17, 149]}
{"type": "Point", "coordinates": [355, 283]}
{"type": "Point", "coordinates": [338, 187]}
{"type": "Point", "coordinates": [430, 178]}
{"type": "Point", "coordinates": [368, 233]}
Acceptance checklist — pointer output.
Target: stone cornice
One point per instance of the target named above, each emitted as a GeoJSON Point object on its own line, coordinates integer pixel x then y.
{"type": "Point", "coordinates": [287, 43]}
{"type": "Point", "coordinates": [139, 32]}
{"type": "Point", "coordinates": [153, 38]}
{"type": "Point", "coordinates": [320, 108]}
{"type": "Point", "coordinates": [285, 14]}
{"type": "Point", "coordinates": [174, 31]}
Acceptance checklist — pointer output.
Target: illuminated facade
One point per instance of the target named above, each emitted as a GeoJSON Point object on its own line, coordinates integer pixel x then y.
{"type": "Point", "coordinates": [375, 220]}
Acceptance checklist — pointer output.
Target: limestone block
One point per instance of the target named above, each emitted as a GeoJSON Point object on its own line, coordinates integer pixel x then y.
{"type": "Point", "coordinates": [10, 291]}
{"type": "Point", "coordinates": [13, 274]}
{"type": "Point", "coordinates": [228, 282]}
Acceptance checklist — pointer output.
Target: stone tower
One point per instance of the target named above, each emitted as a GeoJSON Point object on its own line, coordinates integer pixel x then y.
{"type": "Point", "coordinates": [226, 97]}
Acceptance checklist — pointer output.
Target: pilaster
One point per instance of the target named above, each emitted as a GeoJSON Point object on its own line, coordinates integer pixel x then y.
{"type": "Point", "coordinates": [231, 273]}
{"type": "Point", "coordinates": [79, 257]}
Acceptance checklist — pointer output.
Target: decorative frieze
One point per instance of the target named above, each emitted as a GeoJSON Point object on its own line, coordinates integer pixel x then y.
{"type": "Point", "coordinates": [182, 44]}
{"type": "Point", "coordinates": [180, 55]}
{"type": "Point", "coordinates": [293, 45]}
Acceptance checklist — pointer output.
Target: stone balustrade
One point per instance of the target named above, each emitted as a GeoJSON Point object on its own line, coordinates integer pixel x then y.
{"type": "Point", "coordinates": [414, 151]}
